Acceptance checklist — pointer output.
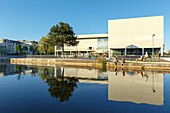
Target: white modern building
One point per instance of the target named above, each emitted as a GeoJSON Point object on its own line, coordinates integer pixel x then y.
{"type": "Point", "coordinates": [88, 44]}
{"type": "Point", "coordinates": [136, 35]}
{"type": "Point", "coordinates": [133, 36]}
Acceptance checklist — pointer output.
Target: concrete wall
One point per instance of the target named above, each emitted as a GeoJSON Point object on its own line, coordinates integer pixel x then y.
{"type": "Point", "coordinates": [86, 41]}
{"type": "Point", "coordinates": [137, 32]}
{"type": "Point", "coordinates": [55, 61]}
{"type": "Point", "coordinates": [83, 45]}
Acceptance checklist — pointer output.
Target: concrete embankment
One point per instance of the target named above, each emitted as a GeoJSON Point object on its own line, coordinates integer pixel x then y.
{"type": "Point", "coordinates": [134, 65]}
{"type": "Point", "coordinates": [55, 61]}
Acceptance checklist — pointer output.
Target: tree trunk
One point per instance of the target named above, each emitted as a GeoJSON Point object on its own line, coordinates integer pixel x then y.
{"type": "Point", "coordinates": [46, 52]}
{"type": "Point", "coordinates": [63, 50]}
{"type": "Point", "coordinates": [32, 52]}
{"type": "Point", "coordinates": [63, 73]}
{"type": "Point", "coordinates": [62, 76]}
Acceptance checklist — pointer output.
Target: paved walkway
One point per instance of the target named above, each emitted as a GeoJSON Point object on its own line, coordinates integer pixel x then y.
{"type": "Point", "coordinates": [166, 59]}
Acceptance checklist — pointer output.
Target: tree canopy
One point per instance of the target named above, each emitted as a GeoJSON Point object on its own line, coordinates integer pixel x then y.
{"type": "Point", "coordinates": [19, 49]}
{"type": "Point", "coordinates": [33, 49]}
{"type": "Point", "coordinates": [62, 34]}
{"type": "Point", "coordinates": [43, 45]}
{"type": "Point", "coordinates": [25, 48]}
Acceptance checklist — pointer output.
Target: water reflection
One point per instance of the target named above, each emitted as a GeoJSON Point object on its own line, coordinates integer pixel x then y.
{"type": "Point", "coordinates": [60, 87]}
{"type": "Point", "coordinates": [137, 87]}
{"type": "Point", "coordinates": [129, 86]}
{"type": "Point", "coordinates": [7, 69]}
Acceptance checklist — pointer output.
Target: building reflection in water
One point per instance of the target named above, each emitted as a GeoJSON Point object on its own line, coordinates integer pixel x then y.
{"type": "Point", "coordinates": [137, 87]}
{"type": "Point", "coordinates": [83, 74]}
{"type": "Point", "coordinates": [21, 70]}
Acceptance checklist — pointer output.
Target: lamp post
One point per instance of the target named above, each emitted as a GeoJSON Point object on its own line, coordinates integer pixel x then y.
{"type": "Point", "coordinates": [153, 87]}
{"type": "Point", "coordinates": [153, 44]}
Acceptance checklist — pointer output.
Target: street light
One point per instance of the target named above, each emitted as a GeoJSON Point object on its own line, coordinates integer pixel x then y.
{"type": "Point", "coordinates": [153, 87]}
{"type": "Point", "coordinates": [153, 44]}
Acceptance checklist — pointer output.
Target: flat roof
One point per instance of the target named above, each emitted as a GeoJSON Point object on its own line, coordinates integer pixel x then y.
{"type": "Point", "coordinates": [92, 36]}
{"type": "Point", "coordinates": [123, 19]}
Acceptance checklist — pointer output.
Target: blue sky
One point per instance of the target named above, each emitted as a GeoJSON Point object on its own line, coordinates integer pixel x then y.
{"type": "Point", "coordinates": [32, 19]}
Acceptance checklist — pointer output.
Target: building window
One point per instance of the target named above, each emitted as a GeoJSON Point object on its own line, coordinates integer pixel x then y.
{"type": "Point", "coordinates": [102, 43]}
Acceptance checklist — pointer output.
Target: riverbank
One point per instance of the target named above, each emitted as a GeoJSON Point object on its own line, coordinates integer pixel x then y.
{"type": "Point", "coordinates": [135, 65]}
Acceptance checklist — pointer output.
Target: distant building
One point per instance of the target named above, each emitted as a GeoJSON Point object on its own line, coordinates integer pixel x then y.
{"type": "Point", "coordinates": [134, 36]}
{"type": "Point", "coordinates": [29, 44]}
{"type": "Point", "coordinates": [9, 46]}
{"type": "Point", "coordinates": [3, 51]}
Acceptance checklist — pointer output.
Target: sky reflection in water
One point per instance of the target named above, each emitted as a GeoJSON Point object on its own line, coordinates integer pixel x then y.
{"type": "Point", "coordinates": [80, 90]}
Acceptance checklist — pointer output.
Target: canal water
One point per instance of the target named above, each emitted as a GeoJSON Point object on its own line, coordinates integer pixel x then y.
{"type": "Point", "coordinates": [31, 89]}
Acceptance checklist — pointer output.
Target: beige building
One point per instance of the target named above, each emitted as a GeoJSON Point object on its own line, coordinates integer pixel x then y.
{"type": "Point", "coordinates": [88, 44]}
{"type": "Point", "coordinates": [134, 36]}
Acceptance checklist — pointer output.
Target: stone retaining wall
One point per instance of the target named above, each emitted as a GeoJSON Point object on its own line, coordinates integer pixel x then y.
{"type": "Point", "coordinates": [157, 66]}
{"type": "Point", "coordinates": [53, 61]}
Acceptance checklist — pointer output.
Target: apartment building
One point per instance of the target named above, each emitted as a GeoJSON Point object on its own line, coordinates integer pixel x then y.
{"type": "Point", "coordinates": [9, 46]}
{"type": "Point", "coordinates": [28, 44]}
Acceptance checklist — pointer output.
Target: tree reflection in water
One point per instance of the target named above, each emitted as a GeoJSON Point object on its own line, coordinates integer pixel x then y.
{"type": "Point", "coordinates": [20, 70]}
{"type": "Point", "coordinates": [59, 86]}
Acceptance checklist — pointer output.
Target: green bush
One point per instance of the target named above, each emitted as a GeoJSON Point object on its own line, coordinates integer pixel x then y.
{"type": "Point", "coordinates": [103, 63]}
{"type": "Point", "coordinates": [115, 53]}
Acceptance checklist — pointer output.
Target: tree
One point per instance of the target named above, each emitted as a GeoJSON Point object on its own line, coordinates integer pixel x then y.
{"type": "Point", "coordinates": [33, 49]}
{"type": "Point", "coordinates": [19, 48]}
{"type": "Point", "coordinates": [3, 51]}
{"type": "Point", "coordinates": [51, 49]}
{"type": "Point", "coordinates": [62, 34]}
{"type": "Point", "coordinates": [168, 52]}
{"type": "Point", "coordinates": [43, 45]}
{"type": "Point", "coordinates": [25, 48]}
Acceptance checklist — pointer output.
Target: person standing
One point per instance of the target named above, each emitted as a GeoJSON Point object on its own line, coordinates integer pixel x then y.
{"type": "Point", "coordinates": [115, 61]}
{"type": "Point", "coordinates": [123, 61]}
{"type": "Point", "coordinates": [146, 56]}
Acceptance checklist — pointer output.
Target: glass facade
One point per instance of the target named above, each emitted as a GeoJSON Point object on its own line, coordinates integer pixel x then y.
{"type": "Point", "coordinates": [102, 43]}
